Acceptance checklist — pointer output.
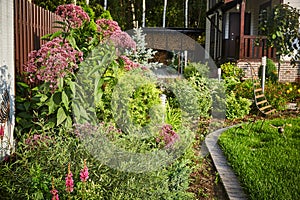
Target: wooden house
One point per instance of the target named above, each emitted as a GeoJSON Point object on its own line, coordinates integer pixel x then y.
{"type": "Point", "coordinates": [232, 33]}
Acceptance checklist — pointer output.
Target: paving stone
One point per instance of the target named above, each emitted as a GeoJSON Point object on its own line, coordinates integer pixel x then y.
{"type": "Point", "coordinates": [228, 177]}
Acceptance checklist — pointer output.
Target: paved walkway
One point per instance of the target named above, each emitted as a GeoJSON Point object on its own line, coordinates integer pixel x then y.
{"type": "Point", "coordinates": [228, 177]}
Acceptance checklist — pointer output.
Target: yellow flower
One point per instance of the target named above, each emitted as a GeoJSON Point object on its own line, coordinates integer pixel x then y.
{"type": "Point", "coordinates": [299, 91]}
{"type": "Point", "coordinates": [291, 89]}
{"type": "Point", "coordinates": [288, 91]}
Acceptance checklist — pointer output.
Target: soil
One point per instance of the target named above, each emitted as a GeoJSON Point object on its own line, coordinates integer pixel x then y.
{"type": "Point", "coordinates": [206, 183]}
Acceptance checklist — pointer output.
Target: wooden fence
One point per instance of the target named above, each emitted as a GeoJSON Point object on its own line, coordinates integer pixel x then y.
{"type": "Point", "coordinates": [30, 24]}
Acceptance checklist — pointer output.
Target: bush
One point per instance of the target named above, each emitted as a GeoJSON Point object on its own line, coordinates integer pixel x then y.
{"type": "Point", "coordinates": [237, 107]}
{"type": "Point", "coordinates": [231, 70]}
{"type": "Point", "coordinates": [271, 71]}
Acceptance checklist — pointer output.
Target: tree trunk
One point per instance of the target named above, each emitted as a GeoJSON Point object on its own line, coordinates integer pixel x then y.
{"type": "Point", "coordinates": [133, 14]}
{"type": "Point", "coordinates": [186, 14]}
{"type": "Point", "coordinates": [164, 14]}
{"type": "Point", "coordinates": [144, 13]}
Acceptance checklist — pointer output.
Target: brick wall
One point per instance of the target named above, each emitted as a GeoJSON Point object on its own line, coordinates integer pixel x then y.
{"type": "Point", "coordinates": [288, 72]}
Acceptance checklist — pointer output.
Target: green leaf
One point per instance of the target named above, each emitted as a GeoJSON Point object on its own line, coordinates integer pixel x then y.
{"type": "Point", "coordinates": [72, 41]}
{"type": "Point", "coordinates": [27, 105]}
{"type": "Point", "coordinates": [274, 36]}
{"type": "Point", "coordinates": [51, 105]}
{"type": "Point", "coordinates": [61, 116]}
{"type": "Point", "coordinates": [56, 34]}
{"type": "Point", "coordinates": [60, 83]}
{"type": "Point", "coordinates": [65, 99]}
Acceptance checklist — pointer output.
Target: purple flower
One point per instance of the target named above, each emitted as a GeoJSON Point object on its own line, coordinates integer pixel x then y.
{"type": "Point", "coordinates": [129, 64]}
{"type": "Point", "coordinates": [84, 173]}
{"type": "Point", "coordinates": [56, 59]}
{"type": "Point", "coordinates": [122, 40]}
{"type": "Point", "coordinates": [168, 136]}
{"type": "Point", "coordinates": [107, 27]}
{"type": "Point", "coordinates": [69, 181]}
{"type": "Point", "coordinates": [73, 15]}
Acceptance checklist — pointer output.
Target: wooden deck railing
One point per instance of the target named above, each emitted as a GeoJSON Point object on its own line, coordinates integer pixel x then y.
{"type": "Point", "coordinates": [255, 47]}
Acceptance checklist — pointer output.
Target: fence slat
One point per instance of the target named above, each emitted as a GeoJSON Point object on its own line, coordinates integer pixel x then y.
{"type": "Point", "coordinates": [31, 23]}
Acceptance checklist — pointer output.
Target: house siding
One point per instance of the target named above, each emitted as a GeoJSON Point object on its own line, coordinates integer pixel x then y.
{"type": "Point", "coordinates": [293, 3]}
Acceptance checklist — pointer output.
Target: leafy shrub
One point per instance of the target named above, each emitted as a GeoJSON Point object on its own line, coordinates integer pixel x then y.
{"type": "Point", "coordinates": [196, 69]}
{"type": "Point", "coordinates": [231, 70]}
{"type": "Point", "coordinates": [244, 89]}
{"type": "Point", "coordinates": [236, 107]}
{"type": "Point", "coordinates": [142, 101]}
{"type": "Point", "coordinates": [271, 71]}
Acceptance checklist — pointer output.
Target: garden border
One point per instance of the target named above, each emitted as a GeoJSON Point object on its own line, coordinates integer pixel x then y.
{"type": "Point", "coordinates": [229, 179]}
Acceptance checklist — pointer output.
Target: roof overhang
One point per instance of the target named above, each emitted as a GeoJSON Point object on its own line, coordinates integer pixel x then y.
{"type": "Point", "coordinates": [223, 6]}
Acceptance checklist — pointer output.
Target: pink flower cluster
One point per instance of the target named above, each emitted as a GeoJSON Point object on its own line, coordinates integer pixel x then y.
{"type": "Point", "coordinates": [54, 193]}
{"type": "Point", "coordinates": [167, 135]}
{"type": "Point", "coordinates": [107, 27]}
{"type": "Point", "coordinates": [129, 64]}
{"type": "Point", "coordinates": [33, 140]}
{"type": "Point", "coordinates": [84, 173]}
{"type": "Point", "coordinates": [72, 14]}
{"type": "Point", "coordinates": [53, 60]}
{"type": "Point", "coordinates": [69, 181]}
{"type": "Point", "coordinates": [122, 40]}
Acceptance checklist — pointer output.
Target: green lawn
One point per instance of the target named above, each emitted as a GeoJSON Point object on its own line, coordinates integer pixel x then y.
{"type": "Point", "coordinates": [266, 161]}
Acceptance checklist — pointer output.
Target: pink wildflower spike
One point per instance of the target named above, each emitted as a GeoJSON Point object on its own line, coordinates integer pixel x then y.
{"type": "Point", "coordinates": [69, 181]}
{"type": "Point", "coordinates": [84, 173]}
{"type": "Point", "coordinates": [54, 192]}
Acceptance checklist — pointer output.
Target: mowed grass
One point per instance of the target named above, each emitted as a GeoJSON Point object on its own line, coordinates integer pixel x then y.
{"type": "Point", "coordinates": [266, 161]}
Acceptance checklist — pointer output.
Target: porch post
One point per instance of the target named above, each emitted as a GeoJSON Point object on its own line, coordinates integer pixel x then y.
{"type": "Point", "coordinates": [242, 28]}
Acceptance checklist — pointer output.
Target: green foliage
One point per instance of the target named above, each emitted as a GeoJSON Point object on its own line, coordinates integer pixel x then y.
{"type": "Point", "coordinates": [244, 89]}
{"type": "Point", "coordinates": [39, 103]}
{"type": "Point", "coordinates": [271, 71]}
{"type": "Point", "coordinates": [202, 95]}
{"type": "Point", "coordinates": [28, 173]}
{"type": "Point", "coordinates": [237, 107]}
{"type": "Point", "coordinates": [196, 69]}
{"type": "Point", "coordinates": [266, 161]}
{"type": "Point", "coordinates": [281, 26]}
{"type": "Point", "coordinates": [135, 101]}
{"type": "Point", "coordinates": [142, 101]}
{"type": "Point", "coordinates": [232, 75]}
{"type": "Point", "coordinates": [280, 94]}
{"type": "Point", "coordinates": [231, 70]}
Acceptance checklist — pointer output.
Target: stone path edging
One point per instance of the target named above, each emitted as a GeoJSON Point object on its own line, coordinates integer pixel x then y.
{"type": "Point", "coordinates": [228, 177]}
